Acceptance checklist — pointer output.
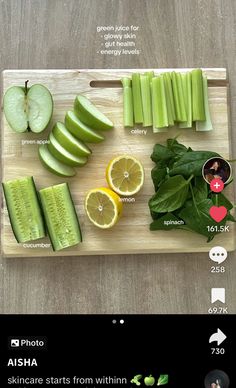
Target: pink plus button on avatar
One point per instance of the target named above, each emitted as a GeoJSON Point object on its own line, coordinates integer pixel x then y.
{"type": "Point", "coordinates": [217, 185]}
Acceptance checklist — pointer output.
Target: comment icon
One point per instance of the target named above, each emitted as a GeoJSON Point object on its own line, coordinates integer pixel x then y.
{"type": "Point", "coordinates": [218, 254]}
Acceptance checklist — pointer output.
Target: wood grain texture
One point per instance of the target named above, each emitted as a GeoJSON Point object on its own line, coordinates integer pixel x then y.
{"type": "Point", "coordinates": [62, 34]}
{"type": "Point", "coordinates": [131, 234]}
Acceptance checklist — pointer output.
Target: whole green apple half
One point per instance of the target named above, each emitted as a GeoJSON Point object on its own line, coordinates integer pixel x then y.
{"type": "Point", "coordinates": [28, 109]}
{"type": "Point", "coordinates": [149, 381]}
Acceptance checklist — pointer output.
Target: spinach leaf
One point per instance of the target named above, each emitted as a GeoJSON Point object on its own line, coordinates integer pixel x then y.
{"type": "Point", "coordinates": [156, 216]}
{"type": "Point", "coordinates": [167, 222]}
{"type": "Point", "coordinates": [200, 189]}
{"type": "Point", "coordinates": [230, 217]}
{"type": "Point", "coordinates": [161, 153]}
{"type": "Point", "coordinates": [188, 203]}
{"type": "Point", "coordinates": [170, 196]}
{"type": "Point", "coordinates": [191, 163]}
{"type": "Point", "coordinates": [158, 174]}
{"type": "Point", "coordinates": [176, 147]}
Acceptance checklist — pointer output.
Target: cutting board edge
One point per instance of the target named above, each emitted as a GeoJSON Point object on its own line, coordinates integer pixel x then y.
{"type": "Point", "coordinates": [222, 70]}
{"type": "Point", "coordinates": [68, 254]}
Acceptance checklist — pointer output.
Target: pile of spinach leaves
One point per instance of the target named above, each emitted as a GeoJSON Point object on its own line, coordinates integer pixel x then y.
{"type": "Point", "coordinates": [182, 198]}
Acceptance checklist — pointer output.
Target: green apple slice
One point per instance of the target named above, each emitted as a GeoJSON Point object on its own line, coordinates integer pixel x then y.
{"type": "Point", "coordinates": [40, 107]}
{"type": "Point", "coordinates": [63, 155]}
{"type": "Point", "coordinates": [52, 164]}
{"type": "Point", "coordinates": [69, 142]}
{"type": "Point", "coordinates": [28, 108]}
{"type": "Point", "coordinates": [89, 114]}
{"type": "Point", "coordinates": [81, 131]}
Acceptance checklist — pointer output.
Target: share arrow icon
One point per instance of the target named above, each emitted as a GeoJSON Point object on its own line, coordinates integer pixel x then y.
{"type": "Point", "coordinates": [218, 337]}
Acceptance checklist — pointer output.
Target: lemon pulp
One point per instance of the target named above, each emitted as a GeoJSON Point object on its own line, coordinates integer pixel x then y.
{"type": "Point", "coordinates": [103, 207]}
{"type": "Point", "coordinates": [125, 175]}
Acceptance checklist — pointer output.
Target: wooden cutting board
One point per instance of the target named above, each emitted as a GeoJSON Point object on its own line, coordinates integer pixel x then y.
{"type": "Point", "coordinates": [131, 234]}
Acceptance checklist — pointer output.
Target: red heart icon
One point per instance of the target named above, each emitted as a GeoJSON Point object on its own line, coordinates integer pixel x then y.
{"type": "Point", "coordinates": [218, 213]}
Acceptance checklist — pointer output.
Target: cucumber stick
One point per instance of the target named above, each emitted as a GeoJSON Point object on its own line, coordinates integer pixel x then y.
{"type": "Point", "coordinates": [60, 216]}
{"type": "Point", "coordinates": [23, 209]}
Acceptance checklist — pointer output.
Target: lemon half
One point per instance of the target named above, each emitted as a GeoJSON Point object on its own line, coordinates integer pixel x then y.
{"type": "Point", "coordinates": [125, 175]}
{"type": "Point", "coordinates": [103, 207]}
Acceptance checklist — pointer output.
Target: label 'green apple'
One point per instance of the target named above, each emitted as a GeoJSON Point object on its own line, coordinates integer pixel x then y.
{"type": "Point", "coordinates": [28, 109]}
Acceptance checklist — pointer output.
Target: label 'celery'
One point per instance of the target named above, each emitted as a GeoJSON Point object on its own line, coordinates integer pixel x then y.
{"type": "Point", "coordinates": [137, 98]}
{"type": "Point", "coordinates": [128, 110]}
{"type": "Point", "coordinates": [197, 96]}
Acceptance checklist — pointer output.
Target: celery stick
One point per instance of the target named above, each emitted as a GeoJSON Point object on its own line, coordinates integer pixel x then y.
{"type": "Point", "coordinates": [168, 102]}
{"type": "Point", "coordinates": [207, 124]}
{"type": "Point", "coordinates": [137, 99]}
{"type": "Point", "coordinates": [159, 108]}
{"type": "Point", "coordinates": [178, 97]}
{"type": "Point", "coordinates": [181, 98]}
{"type": "Point", "coordinates": [168, 83]}
{"type": "Point", "coordinates": [146, 100]}
{"type": "Point", "coordinates": [150, 75]}
{"type": "Point", "coordinates": [187, 89]}
{"type": "Point", "coordinates": [197, 96]}
{"type": "Point", "coordinates": [128, 110]}
{"type": "Point", "coordinates": [175, 95]}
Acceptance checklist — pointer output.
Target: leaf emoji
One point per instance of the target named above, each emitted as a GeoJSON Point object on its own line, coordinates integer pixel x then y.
{"type": "Point", "coordinates": [163, 379]}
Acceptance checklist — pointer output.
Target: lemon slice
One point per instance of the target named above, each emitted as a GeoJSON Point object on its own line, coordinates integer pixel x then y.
{"type": "Point", "coordinates": [125, 175]}
{"type": "Point", "coordinates": [103, 207]}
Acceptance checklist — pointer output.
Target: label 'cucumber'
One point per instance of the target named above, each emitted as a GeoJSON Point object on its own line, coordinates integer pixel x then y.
{"type": "Point", "coordinates": [23, 209]}
{"type": "Point", "coordinates": [60, 215]}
